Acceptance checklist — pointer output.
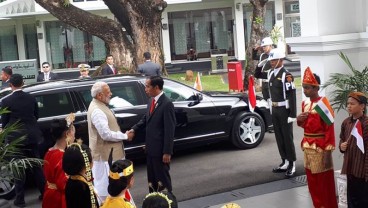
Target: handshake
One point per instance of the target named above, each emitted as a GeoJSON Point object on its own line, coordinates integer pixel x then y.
{"type": "Point", "coordinates": [130, 134]}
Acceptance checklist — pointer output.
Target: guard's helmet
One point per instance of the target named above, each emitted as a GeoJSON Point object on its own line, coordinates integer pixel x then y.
{"type": "Point", "coordinates": [266, 41]}
{"type": "Point", "coordinates": [276, 54]}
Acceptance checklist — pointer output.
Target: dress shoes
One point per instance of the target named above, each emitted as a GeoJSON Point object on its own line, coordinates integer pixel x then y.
{"type": "Point", "coordinates": [19, 203]}
{"type": "Point", "coordinates": [282, 167]}
{"type": "Point", "coordinates": [290, 170]}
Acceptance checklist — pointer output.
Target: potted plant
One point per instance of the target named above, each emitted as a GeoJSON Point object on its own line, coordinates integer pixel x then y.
{"type": "Point", "coordinates": [343, 84]}
{"type": "Point", "coordinates": [10, 168]}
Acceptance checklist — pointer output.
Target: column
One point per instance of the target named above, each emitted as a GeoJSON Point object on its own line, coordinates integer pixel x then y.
{"type": "Point", "coordinates": [20, 40]}
{"type": "Point", "coordinates": [41, 37]}
{"type": "Point", "coordinates": [165, 37]}
{"type": "Point", "coordinates": [239, 41]}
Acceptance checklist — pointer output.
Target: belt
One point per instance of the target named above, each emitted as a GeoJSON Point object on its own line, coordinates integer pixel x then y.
{"type": "Point", "coordinates": [279, 104]}
{"type": "Point", "coordinates": [314, 136]}
{"type": "Point", "coordinates": [51, 185]}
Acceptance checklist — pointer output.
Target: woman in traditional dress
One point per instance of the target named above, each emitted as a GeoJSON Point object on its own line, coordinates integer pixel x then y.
{"type": "Point", "coordinates": [63, 132]}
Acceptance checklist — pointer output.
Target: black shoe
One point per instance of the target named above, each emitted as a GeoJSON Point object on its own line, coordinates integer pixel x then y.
{"type": "Point", "coordinates": [19, 203]}
{"type": "Point", "coordinates": [282, 167]}
{"type": "Point", "coordinates": [290, 172]}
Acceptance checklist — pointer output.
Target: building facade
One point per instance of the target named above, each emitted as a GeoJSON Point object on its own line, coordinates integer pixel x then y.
{"type": "Point", "coordinates": [29, 32]}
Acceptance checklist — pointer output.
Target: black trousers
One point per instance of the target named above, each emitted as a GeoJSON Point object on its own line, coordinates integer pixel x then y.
{"type": "Point", "coordinates": [283, 133]}
{"type": "Point", "coordinates": [30, 151]}
{"type": "Point", "coordinates": [158, 174]}
{"type": "Point", "coordinates": [357, 189]}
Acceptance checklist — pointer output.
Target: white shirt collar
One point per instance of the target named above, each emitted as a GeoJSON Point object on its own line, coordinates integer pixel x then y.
{"type": "Point", "coordinates": [276, 71]}
{"type": "Point", "coordinates": [158, 96]}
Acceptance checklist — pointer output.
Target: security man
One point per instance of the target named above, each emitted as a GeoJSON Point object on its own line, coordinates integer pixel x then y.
{"type": "Point", "coordinates": [283, 102]}
{"type": "Point", "coordinates": [263, 63]}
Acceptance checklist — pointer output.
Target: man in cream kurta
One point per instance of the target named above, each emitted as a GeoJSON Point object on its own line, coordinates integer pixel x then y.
{"type": "Point", "coordinates": [104, 134]}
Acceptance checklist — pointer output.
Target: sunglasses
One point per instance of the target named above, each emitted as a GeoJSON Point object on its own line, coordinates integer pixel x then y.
{"type": "Point", "coordinates": [45, 66]}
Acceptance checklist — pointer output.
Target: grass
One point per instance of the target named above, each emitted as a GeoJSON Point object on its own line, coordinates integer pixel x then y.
{"type": "Point", "coordinates": [214, 82]}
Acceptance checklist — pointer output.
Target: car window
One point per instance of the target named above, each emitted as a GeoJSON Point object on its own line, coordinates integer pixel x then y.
{"type": "Point", "coordinates": [54, 104]}
{"type": "Point", "coordinates": [177, 92]}
{"type": "Point", "coordinates": [122, 96]}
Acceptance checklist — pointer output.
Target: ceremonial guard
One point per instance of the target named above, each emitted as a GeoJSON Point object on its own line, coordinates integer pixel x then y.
{"type": "Point", "coordinates": [283, 109]}
{"type": "Point", "coordinates": [264, 65]}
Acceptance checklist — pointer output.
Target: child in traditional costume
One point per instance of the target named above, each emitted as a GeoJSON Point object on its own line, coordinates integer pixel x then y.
{"type": "Point", "coordinates": [121, 178]}
{"type": "Point", "coordinates": [156, 200]}
{"type": "Point", "coordinates": [79, 191]}
{"type": "Point", "coordinates": [63, 132]}
{"type": "Point", "coordinates": [354, 145]}
{"type": "Point", "coordinates": [318, 143]}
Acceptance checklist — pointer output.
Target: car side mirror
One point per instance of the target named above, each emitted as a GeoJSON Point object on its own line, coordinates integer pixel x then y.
{"type": "Point", "coordinates": [198, 97]}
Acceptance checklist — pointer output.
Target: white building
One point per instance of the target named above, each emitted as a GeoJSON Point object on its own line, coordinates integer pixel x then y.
{"type": "Point", "coordinates": [328, 27]}
{"type": "Point", "coordinates": [28, 31]}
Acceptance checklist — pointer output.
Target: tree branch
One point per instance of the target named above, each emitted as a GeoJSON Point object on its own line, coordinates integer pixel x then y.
{"type": "Point", "coordinates": [72, 15]}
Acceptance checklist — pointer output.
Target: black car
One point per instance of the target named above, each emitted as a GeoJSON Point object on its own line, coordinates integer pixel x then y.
{"type": "Point", "coordinates": [202, 117]}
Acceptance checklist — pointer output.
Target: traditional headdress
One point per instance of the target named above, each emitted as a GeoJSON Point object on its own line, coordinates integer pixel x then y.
{"type": "Point", "coordinates": [309, 78]}
{"type": "Point", "coordinates": [231, 205]}
{"type": "Point", "coordinates": [359, 96]}
{"type": "Point", "coordinates": [69, 121]}
{"type": "Point", "coordinates": [116, 175]}
{"type": "Point", "coordinates": [161, 195]}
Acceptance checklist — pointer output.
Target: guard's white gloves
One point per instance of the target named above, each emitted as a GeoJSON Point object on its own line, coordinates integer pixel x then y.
{"type": "Point", "coordinates": [261, 63]}
{"type": "Point", "coordinates": [290, 120]}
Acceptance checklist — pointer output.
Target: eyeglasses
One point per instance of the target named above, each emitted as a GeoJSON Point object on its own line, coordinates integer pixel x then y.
{"type": "Point", "coordinates": [45, 66]}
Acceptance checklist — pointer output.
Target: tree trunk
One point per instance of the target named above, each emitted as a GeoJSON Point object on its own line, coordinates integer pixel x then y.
{"type": "Point", "coordinates": [136, 30]}
{"type": "Point", "coordinates": [257, 33]}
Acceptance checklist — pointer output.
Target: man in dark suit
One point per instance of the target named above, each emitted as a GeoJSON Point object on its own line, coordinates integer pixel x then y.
{"type": "Point", "coordinates": [6, 72]}
{"type": "Point", "coordinates": [24, 109]}
{"type": "Point", "coordinates": [46, 75]}
{"type": "Point", "coordinates": [109, 67]}
{"type": "Point", "coordinates": [148, 68]}
{"type": "Point", "coordinates": [159, 123]}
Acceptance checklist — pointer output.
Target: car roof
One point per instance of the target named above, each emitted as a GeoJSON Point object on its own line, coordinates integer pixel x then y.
{"type": "Point", "coordinates": [70, 83]}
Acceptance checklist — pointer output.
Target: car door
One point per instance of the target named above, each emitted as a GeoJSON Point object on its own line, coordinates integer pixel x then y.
{"type": "Point", "coordinates": [57, 104]}
{"type": "Point", "coordinates": [195, 120]}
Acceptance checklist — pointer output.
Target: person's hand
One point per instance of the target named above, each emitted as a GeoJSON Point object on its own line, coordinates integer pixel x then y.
{"type": "Point", "coordinates": [290, 120]}
{"type": "Point", "coordinates": [344, 146]}
{"type": "Point", "coordinates": [302, 117]}
{"type": "Point", "coordinates": [327, 159]}
{"type": "Point", "coordinates": [130, 134]}
{"type": "Point", "coordinates": [166, 158]}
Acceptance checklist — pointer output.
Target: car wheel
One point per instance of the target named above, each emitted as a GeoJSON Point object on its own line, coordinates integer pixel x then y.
{"type": "Point", "coordinates": [7, 189]}
{"type": "Point", "coordinates": [248, 130]}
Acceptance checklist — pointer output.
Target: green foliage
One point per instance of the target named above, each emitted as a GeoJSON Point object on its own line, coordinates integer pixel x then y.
{"type": "Point", "coordinates": [213, 82]}
{"type": "Point", "coordinates": [276, 34]}
{"type": "Point", "coordinates": [66, 3]}
{"type": "Point", "coordinates": [258, 20]}
{"type": "Point", "coordinates": [12, 168]}
{"type": "Point", "coordinates": [343, 84]}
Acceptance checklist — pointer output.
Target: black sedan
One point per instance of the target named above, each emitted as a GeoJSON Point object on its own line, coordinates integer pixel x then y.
{"type": "Point", "coordinates": [202, 117]}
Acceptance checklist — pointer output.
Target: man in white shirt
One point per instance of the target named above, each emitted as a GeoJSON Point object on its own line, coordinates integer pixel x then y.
{"type": "Point", "coordinates": [109, 67]}
{"type": "Point", "coordinates": [46, 74]}
{"type": "Point", "coordinates": [104, 134]}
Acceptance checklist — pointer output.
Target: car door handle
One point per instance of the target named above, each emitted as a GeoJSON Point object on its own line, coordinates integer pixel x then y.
{"type": "Point", "coordinates": [79, 122]}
